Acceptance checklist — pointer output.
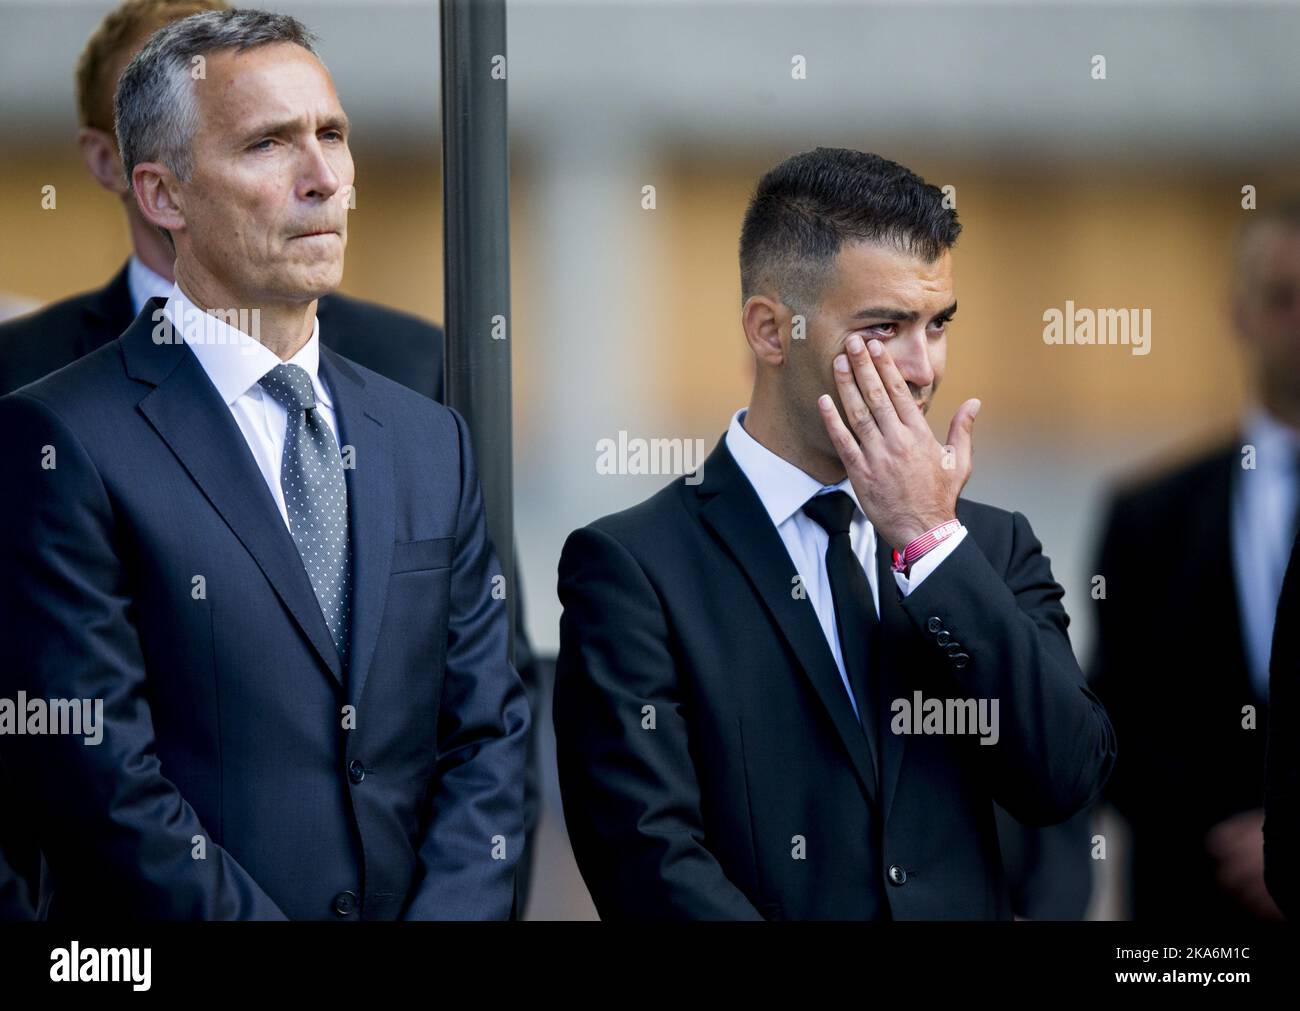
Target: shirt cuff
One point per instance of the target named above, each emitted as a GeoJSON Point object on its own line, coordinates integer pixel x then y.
{"type": "Point", "coordinates": [928, 562]}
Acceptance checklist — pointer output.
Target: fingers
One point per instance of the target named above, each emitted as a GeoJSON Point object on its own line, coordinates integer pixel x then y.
{"type": "Point", "coordinates": [846, 446]}
{"type": "Point", "coordinates": [960, 432]}
{"type": "Point", "coordinates": [900, 395]}
{"type": "Point", "coordinates": [871, 390]}
{"type": "Point", "coordinates": [856, 412]}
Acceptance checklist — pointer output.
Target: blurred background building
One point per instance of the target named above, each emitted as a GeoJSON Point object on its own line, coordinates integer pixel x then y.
{"type": "Point", "coordinates": [1114, 192]}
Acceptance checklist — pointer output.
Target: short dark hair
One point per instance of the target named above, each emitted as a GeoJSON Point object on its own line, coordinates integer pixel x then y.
{"type": "Point", "coordinates": [807, 207]}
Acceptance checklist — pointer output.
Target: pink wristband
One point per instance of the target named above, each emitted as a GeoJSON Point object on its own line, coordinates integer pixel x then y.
{"type": "Point", "coordinates": [919, 546]}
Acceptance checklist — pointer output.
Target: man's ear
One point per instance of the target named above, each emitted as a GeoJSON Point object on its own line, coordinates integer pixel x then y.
{"type": "Point", "coordinates": [155, 194]}
{"type": "Point", "coordinates": [99, 152]}
{"type": "Point", "coordinates": [766, 322]}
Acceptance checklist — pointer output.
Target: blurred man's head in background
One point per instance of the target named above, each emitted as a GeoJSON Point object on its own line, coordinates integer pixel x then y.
{"type": "Point", "coordinates": [236, 145]}
{"type": "Point", "coordinates": [838, 242]}
{"type": "Point", "coordinates": [117, 38]}
{"type": "Point", "coordinates": [1266, 304]}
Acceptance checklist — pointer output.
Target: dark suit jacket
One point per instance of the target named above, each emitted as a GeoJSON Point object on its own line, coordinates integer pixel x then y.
{"type": "Point", "coordinates": [1170, 666]}
{"type": "Point", "coordinates": [401, 347]}
{"type": "Point", "coordinates": [224, 710]}
{"type": "Point", "coordinates": [1282, 776]}
{"type": "Point", "coordinates": [685, 603]}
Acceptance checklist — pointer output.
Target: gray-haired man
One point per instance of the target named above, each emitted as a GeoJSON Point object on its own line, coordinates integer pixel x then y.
{"type": "Point", "coordinates": [269, 563]}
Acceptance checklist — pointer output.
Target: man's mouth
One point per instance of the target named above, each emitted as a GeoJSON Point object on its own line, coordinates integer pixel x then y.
{"type": "Point", "coordinates": [308, 235]}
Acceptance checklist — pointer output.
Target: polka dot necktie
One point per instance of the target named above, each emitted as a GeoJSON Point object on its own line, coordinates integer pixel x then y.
{"type": "Point", "coordinates": [316, 496]}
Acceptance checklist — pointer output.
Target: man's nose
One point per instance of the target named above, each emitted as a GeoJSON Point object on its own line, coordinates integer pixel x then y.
{"type": "Point", "coordinates": [911, 353]}
{"type": "Point", "coordinates": [319, 177]}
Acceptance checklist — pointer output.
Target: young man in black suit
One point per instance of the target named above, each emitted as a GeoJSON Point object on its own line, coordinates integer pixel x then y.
{"type": "Point", "coordinates": [745, 657]}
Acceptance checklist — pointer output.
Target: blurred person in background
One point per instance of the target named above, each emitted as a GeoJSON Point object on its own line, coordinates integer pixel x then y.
{"type": "Point", "coordinates": [1193, 562]}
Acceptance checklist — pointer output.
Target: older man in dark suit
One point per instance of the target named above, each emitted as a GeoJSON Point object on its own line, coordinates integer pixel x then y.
{"type": "Point", "coordinates": [397, 345]}
{"type": "Point", "coordinates": [262, 567]}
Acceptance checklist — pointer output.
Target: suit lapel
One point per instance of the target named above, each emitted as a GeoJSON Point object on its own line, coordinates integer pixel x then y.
{"type": "Point", "coordinates": [188, 414]}
{"type": "Point", "coordinates": [732, 509]}
{"type": "Point", "coordinates": [371, 509]}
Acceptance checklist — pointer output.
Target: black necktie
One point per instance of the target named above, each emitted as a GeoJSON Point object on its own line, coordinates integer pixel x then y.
{"type": "Point", "coordinates": [856, 621]}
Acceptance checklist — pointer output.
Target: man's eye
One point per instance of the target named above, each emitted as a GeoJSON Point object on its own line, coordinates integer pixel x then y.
{"type": "Point", "coordinates": [891, 327]}
{"type": "Point", "coordinates": [942, 323]}
{"type": "Point", "coordinates": [258, 146]}
{"type": "Point", "coordinates": [334, 133]}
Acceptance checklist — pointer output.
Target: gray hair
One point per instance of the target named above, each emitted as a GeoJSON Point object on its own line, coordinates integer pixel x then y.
{"type": "Point", "coordinates": [155, 106]}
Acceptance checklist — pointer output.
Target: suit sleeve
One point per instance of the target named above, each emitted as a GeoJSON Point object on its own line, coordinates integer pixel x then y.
{"type": "Point", "coordinates": [104, 813]}
{"type": "Point", "coordinates": [1112, 672]}
{"type": "Point", "coordinates": [631, 799]}
{"type": "Point", "coordinates": [474, 828]}
{"type": "Point", "coordinates": [1282, 777]}
{"type": "Point", "coordinates": [1055, 746]}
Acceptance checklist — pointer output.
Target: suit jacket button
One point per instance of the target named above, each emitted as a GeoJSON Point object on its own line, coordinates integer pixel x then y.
{"type": "Point", "coordinates": [897, 875]}
{"type": "Point", "coordinates": [953, 648]}
{"type": "Point", "coordinates": [942, 637]}
{"type": "Point", "coordinates": [345, 903]}
{"type": "Point", "coordinates": [356, 771]}
{"type": "Point", "coordinates": [934, 624]}
{"type": "Point", "coordinates": [960, 660]}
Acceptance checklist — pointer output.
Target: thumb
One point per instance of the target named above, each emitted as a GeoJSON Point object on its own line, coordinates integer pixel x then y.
{"type": "Point", "coordinates": [959, 432]}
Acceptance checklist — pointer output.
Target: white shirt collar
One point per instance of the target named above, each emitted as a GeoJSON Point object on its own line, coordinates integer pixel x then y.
{"type": "Point", "coordinates": [144, 284]}
{"type": "Point", "coordinates": [233, 360]}
{"type": "Point", "coordinates": [782, 487]}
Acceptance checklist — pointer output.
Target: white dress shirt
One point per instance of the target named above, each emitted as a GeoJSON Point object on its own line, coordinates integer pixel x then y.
{"type": "Point", "coordinates": [144, 283]}
{"type": "Point", "coordinates": [783, 489]}
{"type": "Point", "coordinates": [234, 362]}
{"type": "Point", "coordinates": [1263, 507]}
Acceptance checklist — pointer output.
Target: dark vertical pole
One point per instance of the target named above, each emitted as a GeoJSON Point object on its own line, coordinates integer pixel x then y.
{"type": "Point", "coordinates": [476, 247]}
